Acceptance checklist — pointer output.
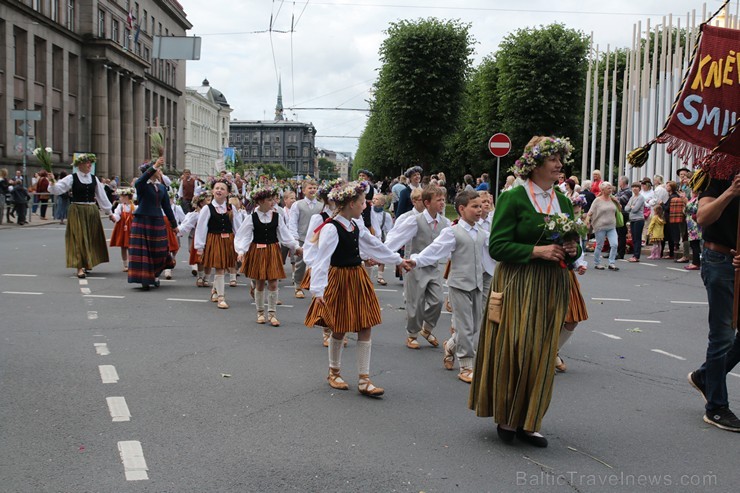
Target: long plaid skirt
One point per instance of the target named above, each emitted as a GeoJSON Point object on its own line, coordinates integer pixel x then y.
{"type": "Point", "coordinates": [148, 249]}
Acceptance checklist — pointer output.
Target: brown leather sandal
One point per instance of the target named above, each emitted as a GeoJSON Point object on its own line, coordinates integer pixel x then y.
{"type": "Point", "coordinates": [426, 334]}
{"type": "Point", "coordinates": [260, 317]}
{"type": "Point", "coordinates": [336, 381]}
{"type": "Point", "coordinates": [273, 319]}
{"type": "Point", "coordinates": [366, 387]}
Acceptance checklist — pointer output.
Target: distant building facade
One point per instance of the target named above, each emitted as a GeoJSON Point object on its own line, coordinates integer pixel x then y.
{"type": "Point", "coordinates": [289, 143]}
{"type": "Point", "coordinates": [207, 115]}
{"type": "Point", "coordinates": [342, 161]}
{"type": "Point", "coordinates": [88, 67]}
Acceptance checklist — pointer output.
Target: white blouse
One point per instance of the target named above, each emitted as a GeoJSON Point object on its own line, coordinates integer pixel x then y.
{"type": "Point", "coordinates": [201, 230]}
{"type": "Point", "coordinates": [188, 224]}
{"type": "Point", "coordinates": [370, 247]}
{"type": "Point", "coordinates": [245, 234]}
{"type": "Point", "coordinates": [120, 209]}
{"type": "Point", "coordinates": [544, 198]}
{"type": "Point", "coordinates": [65, 185]}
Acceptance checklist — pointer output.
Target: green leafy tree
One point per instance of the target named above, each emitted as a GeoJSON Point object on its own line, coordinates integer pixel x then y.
{"type": "Point", "coordinates": [418, 94]}
{"type": "Point", "coordinates": [327, 169]}
{"type": "Point", "coordinates": [541, 85]}
{"type": "Point", "coordinates": [277, 170]}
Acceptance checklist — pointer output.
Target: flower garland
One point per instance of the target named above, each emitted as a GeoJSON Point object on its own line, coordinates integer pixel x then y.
{"type": "Point", "coordinates": [343, 194]}
{"type": "Point", "coordinates": [84, 158]}
{"type": "Point", "coordinates": [129, 192]}
{"type": "Point", "coordinates": [327, 187]}
{"type": "Point", "coordinates": [261, 193]}
{"type": "Point", "coordinates": [536, 155]}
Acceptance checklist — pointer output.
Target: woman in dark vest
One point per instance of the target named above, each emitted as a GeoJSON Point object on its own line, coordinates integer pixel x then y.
{"type": "Point", "coordinates": [148, 245]}
{"type": "Point", "coordinates": [84, 239]}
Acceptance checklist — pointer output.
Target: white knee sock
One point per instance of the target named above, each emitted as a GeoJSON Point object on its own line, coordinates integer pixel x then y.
{"type": "Point", "coordinates": [466, 363]}
{"type": "Point", "coordinates": [259, 300]}
{"type": "Point", "coordinates": [218, 284]}
{"type": "Point", "coordinates": [564, 336]}
{"type": "Point", "coordinates": [363, 357]}
{"type": "Point", "coordinates": [232, 277]}
{"type": "Point", "coordinates": [335, 353]}
{"type": "Point", "coordinates": [202, 274]}
{"type": "Point", "coordinates": [272, 301]}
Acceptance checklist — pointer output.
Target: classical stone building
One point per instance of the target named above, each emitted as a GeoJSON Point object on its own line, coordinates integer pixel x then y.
{"type": "Point", "coordinates": [281, 141]}
{"type": "Point", "coordinates": [342, 161]}
{"type": "Point", "coordinates": [88, 67]}
{"type": "Point", "coordinates": [206, 128]}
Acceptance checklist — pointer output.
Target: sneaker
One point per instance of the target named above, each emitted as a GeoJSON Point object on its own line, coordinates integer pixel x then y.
{"type": "Point", "coordinates": [694, 382]}
{"type": "Point", "coordinates": [613, 267]}
{"type": "Point", "coordinates": [723, 418]}
{"type": "Point", "coordinates": [599, 267]}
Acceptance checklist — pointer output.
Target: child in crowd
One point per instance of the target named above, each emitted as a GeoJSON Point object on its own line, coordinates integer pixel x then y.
{"type": "Point", "coordinates": [187, 227]}
{"type": "Point", "coordinates": [122, 216]}
{"type": "Point", "coordinates": [288, 201]}
{"type": "Point", "coordinates": [300, 218]}
{"type": "Point", "coordinates": [381, 222]}
{"type": "Point", "coordinates": [239, 210]}
{"type": "Point", "coordinates": [655, 232]}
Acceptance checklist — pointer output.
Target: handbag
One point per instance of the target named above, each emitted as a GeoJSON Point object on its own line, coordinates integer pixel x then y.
{"type": "Point", "coordinates": [495, 303]}
{"type": "Point", "coordinates": [620, 219]}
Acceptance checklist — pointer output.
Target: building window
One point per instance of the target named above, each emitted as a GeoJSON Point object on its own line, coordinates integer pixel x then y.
{"type": "Point", "coordinates": [71, 15]}
{"type": "Point", "coordinates": [39, 55]}
{"type": "Point", "coordinates": [277, 139]}
{"type": "Point", "coordinates": [101, 23]}
{"type": "Point", "coordinates": [74, 69]}
{"type": "Point", "coordinates": [266, 151]}
{"type": "Point", "coordinates": [114, 31]}
{"type": "Point", "coordinates": [266, 138]}
{"type": "Point", "coordinates": [126, 38]}
{"type": "Point", "coordinates": [146, 53]}
{"type": "Point", "coordinates": [255, 151]}
{"type": "Point", "coordinates": [160, 28]}
{"type": "Point", "coordinates": [138, 49]}
{"type": "Point", "coordinates": [57, 71]}
{"type": "Point", "coordinates": [36, 4]}
{"type": "Point", "coordinates": [21, 46]}
{"type": "Point", "coordinates": [291, 152]}
{"type": "Point", "coordinates": [277, 152]}
{"type": "Point", "coordinates": [305, 152]}
{"type": "Point", "coordinates": [54, 14]}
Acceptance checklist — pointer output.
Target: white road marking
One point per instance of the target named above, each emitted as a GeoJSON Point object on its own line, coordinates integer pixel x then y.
{"type": "Point", "coordinates": [168, 280]}
{"type": "Point", "coordinates": [118, 409]}
{"type": "Point", "coordinates": [108, 373]}
{"type": "Point", "coordinates": [92, 315]}
{"type": "Point", "coordinates": [85, 290]}
{"type": "Point", "coordinates": [665, 353]}
{"type": "Point", "coordinates": [83, 282]}
{"type": "Point", "coordinates": [101, 348]}
{"type": "Point", "coordinates": [88, 277]}
{"type": "Point", "coordinates": [20, 275]}
{"type": "Point", "coordinates": [637, 321]}
{"type": "Point", "coordinates": [651, 265]}
{"type": "Point", "coordinates": [281, 306]}
{"type": "Point", "coordinates": [610, 299]}
{"type": "Point", "coordinates": [677, 270]}
{"type": "Point", "coordinates": [386, 290]}
{"type": "Point", "coordinates": [185, 299]}
{"type": "Point", "coordinates": [132, 456]}
{"type": "Point", "coordinates": [22, 292]}
{"type": "Point", "coordinates": [103, 296]}
{"type": "Point", "coordinates": [610, 336]}
{"type": "Point", "coordinates": [690, 302]}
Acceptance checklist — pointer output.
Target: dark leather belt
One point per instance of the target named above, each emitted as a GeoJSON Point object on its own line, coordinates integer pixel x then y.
{"type": "Point", "coordinates": [717, 247]}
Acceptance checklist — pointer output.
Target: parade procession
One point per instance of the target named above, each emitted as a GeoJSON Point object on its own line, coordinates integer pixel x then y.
{"type": "Point", "coordinates": [192, 301]}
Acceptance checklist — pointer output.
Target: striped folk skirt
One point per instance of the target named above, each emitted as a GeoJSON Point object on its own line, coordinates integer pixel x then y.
{"type": "Point", "coordinates": [577, 311]}
{"type": "Point", "coordinates": [194, 259]}
{"type": "Point", "coordinates": [219, 251]}
{"type": "Point", "coordinates": [148, 249]}
{"type": "Point", "coordinates": [515, 363]}
{"type": "Point", "coordinates": [350, 303]}
{"type": "Point", "coordinates": [172, 243]}
{"type": "Point", "coordinates": [306, 282]}
{"type": "Point", "coordinates": [265, 263]}
{"type": "Point", "coordinates": [84, 238]}
{"type": "Point", "coordinates": [122, 231]}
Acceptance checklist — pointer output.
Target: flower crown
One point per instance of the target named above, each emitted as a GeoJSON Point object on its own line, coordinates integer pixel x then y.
{"type": "Point", "coordinates": [199, 199]}
{"type": "Point", "coordinates": [129, 192]}
{"type": "Point", "coordinates": [534, 156]}
{"type": "Point", "coordinates": [579, 200]}
{"type": "Point", "coordinates": [84, 158]}
{"type": "Point", "coordinates": [221, 180]}
{"type": "Point", "coordinates": [343, 194]}
{"type": "Point", "coordinates": [261, 193]}
{"type": "Point", "coordinates": [326, 188]}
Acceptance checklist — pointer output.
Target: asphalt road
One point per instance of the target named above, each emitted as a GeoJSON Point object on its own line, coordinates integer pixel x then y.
{"type": "Point", "coordinates": [219, 403]}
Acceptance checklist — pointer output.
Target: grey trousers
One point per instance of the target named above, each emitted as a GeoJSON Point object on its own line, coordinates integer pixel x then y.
{"type": "Point", "coordinates": [467, 307]}
{"type": "Point", "coordinates": [300, 269]}
{"type": "Point", "coordinates": [424, 297]}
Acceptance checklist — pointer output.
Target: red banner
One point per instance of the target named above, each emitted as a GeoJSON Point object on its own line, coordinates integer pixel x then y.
{"type": "Point", "coordinates": [709, 105]}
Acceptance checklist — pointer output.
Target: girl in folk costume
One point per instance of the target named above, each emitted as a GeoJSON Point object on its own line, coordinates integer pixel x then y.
{"type": "Point", "coordinates": [344, 298]}
{"type": "Point", "coordinates": [214, 238]}
{"type": "Point", "coordinates": [84, 238]}
{"type": "Point", "coordinates": [237, 206]}
{"type": "Point", "coordinates": [186, 227]}
{"type": "Point", "coordinates": [257, 244]}
{"type": "Point", "coordinates": [123, 217]}
{"type": "Point", "coordinates": [173, 242]}
{"type": "Point", "coordinates": [655, 232]}
{"type": "Point", "coordinates": [148, 246]}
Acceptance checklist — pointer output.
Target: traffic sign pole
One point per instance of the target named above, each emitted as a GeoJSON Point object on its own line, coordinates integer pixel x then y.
{"type": "Point", "coordinates": [25, 115]}
{"type": "Point", "coordinates": [499, 144]}
{"type": "Point", "coordinates": [498, 170]}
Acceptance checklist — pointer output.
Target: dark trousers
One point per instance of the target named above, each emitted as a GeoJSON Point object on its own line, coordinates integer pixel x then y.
{"type": "Point", "coordinates": [186, 205]}
{"type": "Point", "coordinates": [673, 237]}
{"type": "Point", "coordinates": [44, 204]}
{"type": "Point", "coordinates": [636, 230]}
{"type": "Point", "coordinates": [695, 252]}
{"type": "Point", "coordinates": [21, 210]}
{"type": "Point", "coordinates": [621, 241]}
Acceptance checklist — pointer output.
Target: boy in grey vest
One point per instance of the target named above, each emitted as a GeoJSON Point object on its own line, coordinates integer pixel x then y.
{"type": "Point", "coordinates": [300, 217]}
{"type": "Point", "coordinates": [465, 243]}
{"type": "Point", "coordinates": [423, 287]}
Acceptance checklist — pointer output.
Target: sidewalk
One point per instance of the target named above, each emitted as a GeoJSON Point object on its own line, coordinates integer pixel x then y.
{"type": "Point", "coordinates": [36, 221]}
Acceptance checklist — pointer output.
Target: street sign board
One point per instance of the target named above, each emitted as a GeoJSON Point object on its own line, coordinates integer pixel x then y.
{"type": "Point", "coordinates": [25, 115]}
{"type": "Point", "coordinates": [499, 144]}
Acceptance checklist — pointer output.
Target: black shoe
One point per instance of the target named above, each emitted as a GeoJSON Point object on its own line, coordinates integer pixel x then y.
{"type": "Point", "coordinates": [156, 283]}
{"type": "Point", "coordinates": [694, 382]}
{"type": "Point", "coordinates": [506, 436]}
{"type": "Point", "coordinates": [723, 418]}
{"type": "Point", "coordinates": [531, 439]}
{"type": "Point", "coordinates": [613, 267]}
{"type": "Point", "coordinates": [145, 287]}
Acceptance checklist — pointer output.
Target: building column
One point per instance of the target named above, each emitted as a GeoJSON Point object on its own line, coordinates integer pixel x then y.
{"type": "Point", "coordinates": [114, 125]}
{"type": "Point", "coordinates": [140, 140]}
{"type": "Point", "coordinates": [128, 165]}
{"type": "Point", "coordinates": [100, 118]}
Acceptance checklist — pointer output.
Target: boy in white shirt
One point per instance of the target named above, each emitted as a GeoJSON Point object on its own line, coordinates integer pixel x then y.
{"type": "Point", "coordinates": [381, 223]}
{"type": "Point", "coordinates": [300, 218]}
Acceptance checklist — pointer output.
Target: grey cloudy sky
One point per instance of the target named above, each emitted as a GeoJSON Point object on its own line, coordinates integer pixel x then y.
{"type": "Point", "coordinates": [331, 58]}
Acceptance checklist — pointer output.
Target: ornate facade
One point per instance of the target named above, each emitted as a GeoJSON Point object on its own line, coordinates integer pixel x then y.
{"type": "Point", "coordinates": [206, 128]}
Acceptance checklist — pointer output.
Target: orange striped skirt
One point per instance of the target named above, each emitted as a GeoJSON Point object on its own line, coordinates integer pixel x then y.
{"type": "Point", "coordinates": [264, 264]}
{"type": "Point", "coordinates": [193, 259]}
{"type": "Point", "coordinates": [577, 311]}
{"type": "Point", "coordinates": [172, 244]}
{"type": "Point", "coordinates": [306, 282]}
{"type": "Point", "coordinates": [219, 252]}
{"type": "Point", "coordinates": [350, 303]}
{"type": "Point", "coordinates": [122, 231]}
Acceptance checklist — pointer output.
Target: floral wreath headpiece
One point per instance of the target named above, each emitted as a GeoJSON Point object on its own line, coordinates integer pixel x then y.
{"type": "Point", "coordinates": [412, 170]}
{"type": "Point", "coordinates": [129, 192]}
{"type": "Point", "coordinates": [579, 200]}
{"type": "Point", "coordinates": [84, 158]}
{"type": "Point", "coordinates": [261, 193]}
{"type": "Point", "coordinates": [221, 180]}
{"type": "Point", "coordinates": [199, 199]}
{"type": "Point", "coordinates": [326, 188]}
{"type": "Point", "coordinates": [536, 155]}
{"type": "Point", "coordinates": [343, 194]}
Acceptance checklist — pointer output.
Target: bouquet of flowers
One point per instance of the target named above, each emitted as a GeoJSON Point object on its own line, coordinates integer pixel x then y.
{"type": "Point", "coordinates": [43, 154]}
{"type": "Point", "coordinates": [562, 228]}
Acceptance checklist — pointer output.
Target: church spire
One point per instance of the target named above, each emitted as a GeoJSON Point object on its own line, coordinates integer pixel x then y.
{"type": "Point", "coordinates": [279, 105]}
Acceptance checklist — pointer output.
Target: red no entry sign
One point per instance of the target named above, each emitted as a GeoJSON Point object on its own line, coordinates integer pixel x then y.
{"type": "Point", "coordinates": [499, 144]}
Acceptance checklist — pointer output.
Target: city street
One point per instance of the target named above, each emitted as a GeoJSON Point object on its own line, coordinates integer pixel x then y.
{"type": "Point", "coordinates": [218, 403]}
